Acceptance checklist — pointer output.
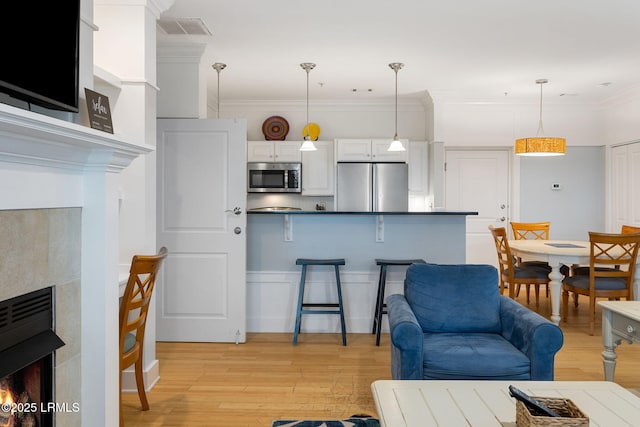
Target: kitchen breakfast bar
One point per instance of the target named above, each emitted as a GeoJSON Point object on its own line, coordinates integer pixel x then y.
{"type": "Point", "coordinates": [275, 239]}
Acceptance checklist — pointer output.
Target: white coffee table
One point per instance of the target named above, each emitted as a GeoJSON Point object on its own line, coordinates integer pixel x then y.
{"type": "Point", "coordinates": [487, 403]}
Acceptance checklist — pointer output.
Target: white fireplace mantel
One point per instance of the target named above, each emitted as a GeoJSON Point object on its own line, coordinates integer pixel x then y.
{"type": "Point", "coordinates": [36, 139]}
{"type": "Point", "coordinates": [50, 163]}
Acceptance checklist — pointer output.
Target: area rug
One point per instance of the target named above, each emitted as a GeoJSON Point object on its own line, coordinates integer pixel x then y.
{"type": "Point", "coordinates": [349, 422]}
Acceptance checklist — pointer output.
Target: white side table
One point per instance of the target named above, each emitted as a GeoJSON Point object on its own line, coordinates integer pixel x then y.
{"type": "Point", "coordinates": [620, 320]}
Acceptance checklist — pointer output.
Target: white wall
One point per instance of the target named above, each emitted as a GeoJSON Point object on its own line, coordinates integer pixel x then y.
{"type": "Point", "coordinates": [478, 124]}
{"type": "Point", "coordinates": [339, 119]}
{"type": "Point", "coordinates": [620, 116]}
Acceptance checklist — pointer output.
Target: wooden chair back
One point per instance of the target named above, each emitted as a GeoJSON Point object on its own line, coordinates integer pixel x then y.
{"type": "Point", "coordinates": [615, 250]}
{"type": "Point", "coordinates": [611, 257]}
{"type": "Point", "coordinates": [135, 301]}
{"type": "Point", "coordinates": [629, 229]}
{"type": "Point", "coordinates": [505, 259]}
{"type": "Point", "coordinates": [134, 308]}
{"type": "Point", "coordinates": [508, 265]}
{"type": "Point", "coordinates": [531, 230]}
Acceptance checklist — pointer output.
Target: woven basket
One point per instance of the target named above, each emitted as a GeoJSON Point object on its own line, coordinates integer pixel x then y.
{"type": "Point", "coordinates": [570, 414]}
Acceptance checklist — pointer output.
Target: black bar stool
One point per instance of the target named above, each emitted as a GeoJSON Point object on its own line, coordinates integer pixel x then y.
{"type": "Point", "coordinates": [338, 307]}
{"type": "Point", "coordinates": [381, 307]}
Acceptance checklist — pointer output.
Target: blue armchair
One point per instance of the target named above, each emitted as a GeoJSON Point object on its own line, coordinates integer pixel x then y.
{"type": "Point", "coordinates": [452, 323]}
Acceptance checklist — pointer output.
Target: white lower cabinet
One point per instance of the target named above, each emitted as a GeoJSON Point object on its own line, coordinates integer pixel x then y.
{"type": "Point", "coordinates": [318, 170]}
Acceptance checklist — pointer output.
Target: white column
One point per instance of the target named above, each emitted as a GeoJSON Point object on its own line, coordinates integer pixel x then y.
{"type": "Point", "coordinates": [182, 79]}
{"type": "Point", "coordinates": [99, 355]}
{"type": "Point", "coordinates": [125, 47]}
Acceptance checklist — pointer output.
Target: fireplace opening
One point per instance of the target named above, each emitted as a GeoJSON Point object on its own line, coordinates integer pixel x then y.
{"type": "Point", "coordinates": [27, 351]}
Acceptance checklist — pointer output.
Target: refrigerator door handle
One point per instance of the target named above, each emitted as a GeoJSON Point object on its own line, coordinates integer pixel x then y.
{"type": "Point", "coordinates": [374, 189]}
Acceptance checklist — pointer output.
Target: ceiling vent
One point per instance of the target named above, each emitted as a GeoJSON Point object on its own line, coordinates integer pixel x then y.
{"type": "Point", "coordinates": [184, 26]}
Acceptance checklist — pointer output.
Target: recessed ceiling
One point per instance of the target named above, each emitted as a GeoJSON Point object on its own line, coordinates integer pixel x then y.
{"type": "Point", "coordinates": [467, 49]}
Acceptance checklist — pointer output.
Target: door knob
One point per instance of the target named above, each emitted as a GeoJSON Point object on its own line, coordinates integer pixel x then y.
{"type": "Point", "coordinates": [236, 210]}
{"type": "Point", "coordinates": [237, 230]}
{"type": "Point", "coordinates": [501, 219]}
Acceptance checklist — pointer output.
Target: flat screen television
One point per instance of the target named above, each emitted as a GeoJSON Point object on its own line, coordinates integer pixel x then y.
{"type": "Point", "coordinates": [39, 53]}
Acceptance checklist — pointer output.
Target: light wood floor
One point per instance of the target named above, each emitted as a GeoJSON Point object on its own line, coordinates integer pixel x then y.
{"type": "Point", "coordinates": [267, 378]}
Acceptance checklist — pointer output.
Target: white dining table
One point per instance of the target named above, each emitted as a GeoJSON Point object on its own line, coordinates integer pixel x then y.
{"type": "Point", "coordinates": [556, 253]}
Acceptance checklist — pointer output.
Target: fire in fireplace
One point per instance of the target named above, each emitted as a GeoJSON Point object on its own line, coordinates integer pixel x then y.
{"type": "Point", "coordinates": [27, 346]}
{"type": "Point", "coordinates": [20, 397]}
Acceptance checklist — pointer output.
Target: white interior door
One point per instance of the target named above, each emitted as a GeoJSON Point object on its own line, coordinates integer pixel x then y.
{"type": "Point", "coordinates": [202, 221]}
{"type": "Point", "coordinates": [625, 186]}
{"type": "Point", "coordinates": [479, 181]}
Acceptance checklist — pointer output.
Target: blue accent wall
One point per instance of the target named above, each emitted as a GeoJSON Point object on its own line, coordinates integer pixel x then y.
{"type": "Point", "coordinates": [579, 206]}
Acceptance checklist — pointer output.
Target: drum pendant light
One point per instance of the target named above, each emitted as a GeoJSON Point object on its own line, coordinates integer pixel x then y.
{"type": "Point", "coordinates": [541, 145]}
{"type": "Point", "coordinates": [218, 66]}
{"type": "Point", "coordinates": [396, 144]}
{"type": "Point", "coordinates": [307, 144]}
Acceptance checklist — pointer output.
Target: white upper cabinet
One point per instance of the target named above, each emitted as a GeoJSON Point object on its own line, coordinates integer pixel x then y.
{"type": "Point", "coordinates": [379, 151]}
{"type": "Point", "coordinates": [273, 151]}
{"type": "Point", "coordinates": [368, 150]}
{"type": "Point", "coordinates": [318, 169]}
{"type": "Point", "coordinates": [353, 150]}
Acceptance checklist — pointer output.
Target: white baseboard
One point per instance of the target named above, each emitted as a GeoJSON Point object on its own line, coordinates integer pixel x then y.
{"type": "Point", "coordinates": [151, 376]}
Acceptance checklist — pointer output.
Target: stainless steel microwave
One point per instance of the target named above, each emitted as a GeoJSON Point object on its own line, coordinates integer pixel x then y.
{"type": "Point", "coordinates": [274, 177]}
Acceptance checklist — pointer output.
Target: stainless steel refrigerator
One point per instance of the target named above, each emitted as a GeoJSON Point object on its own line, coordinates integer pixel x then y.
{"type": "Point", "coordinates": [372, 187]}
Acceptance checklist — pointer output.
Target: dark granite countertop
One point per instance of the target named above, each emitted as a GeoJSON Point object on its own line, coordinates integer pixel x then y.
{"type": "Point", "coordinates": [300, 212]}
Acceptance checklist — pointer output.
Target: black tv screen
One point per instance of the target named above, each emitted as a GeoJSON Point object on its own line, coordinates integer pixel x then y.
{"type": "Point", "coordinates": [39, 54]}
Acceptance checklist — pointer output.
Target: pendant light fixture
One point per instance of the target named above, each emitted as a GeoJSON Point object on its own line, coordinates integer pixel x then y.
{"type": "Point", "coordinates": [307, 144]}
{"type": "Point", "coordinates": [396, 144]}
{"type": "Point", "coordinates": [218, 66]}
{"type": "Point", "coordinates": [541, 145]}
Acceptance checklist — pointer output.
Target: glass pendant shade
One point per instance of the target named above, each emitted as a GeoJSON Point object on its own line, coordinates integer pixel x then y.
{"type": "Point", "coordinates": [541, 145]}
{"type": "Point", "coordinates": [396, 145]}
{"type": "Point", "coordinates": [308, 145]}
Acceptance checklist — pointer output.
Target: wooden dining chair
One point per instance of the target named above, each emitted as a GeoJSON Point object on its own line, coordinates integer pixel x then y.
{"type": "Point", "coordinates": [532, 231]}
{"type": "Point", "coordinates": [629, 229]}
{"type": "Point", "coordinates": [584, 270]}
{"type": "Point", "coordinates": [133, 317]}
{"type": "Point", "coordinates": [513, 275]}
{"type": "Point", "coordinates": [614, 283]}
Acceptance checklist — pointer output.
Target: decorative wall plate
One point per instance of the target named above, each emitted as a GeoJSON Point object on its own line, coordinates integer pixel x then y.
{"type": "Point", "coordinates": [313, 130]}
{"type": "Point", "coordinates": [275, 128]}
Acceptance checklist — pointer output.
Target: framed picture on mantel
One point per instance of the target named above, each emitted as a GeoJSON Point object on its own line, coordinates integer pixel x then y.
{"type": "Point", "coordinates": [99, 111]}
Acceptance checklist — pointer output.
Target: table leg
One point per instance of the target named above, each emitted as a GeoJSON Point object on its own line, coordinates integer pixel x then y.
{"type": "Point", "coordinates": [609, 354]}
{"type": "Point", "coordinates": [556, 287]}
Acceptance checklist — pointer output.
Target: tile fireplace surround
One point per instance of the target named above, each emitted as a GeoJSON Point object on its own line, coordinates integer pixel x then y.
{"type": "Point", "coordinates": [59, 227]}
{"type": "Point", "coordinates": [40, 248]}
